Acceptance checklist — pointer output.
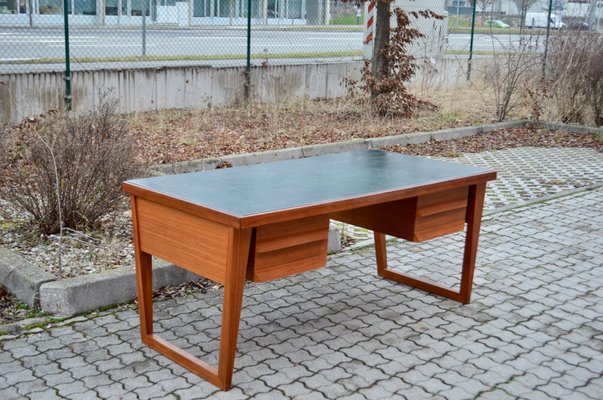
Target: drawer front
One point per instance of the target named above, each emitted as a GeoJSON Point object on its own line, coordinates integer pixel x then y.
{"type": "Point", "coordinates": [416, 219]}
{"type": "Point", "coordinates": [440, 214]}
{"type": "Point", "coordinates": [288, 248]}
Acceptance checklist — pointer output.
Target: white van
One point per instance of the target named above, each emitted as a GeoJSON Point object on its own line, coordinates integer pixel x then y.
{"type": "Point", "coordinates": [538, 20]}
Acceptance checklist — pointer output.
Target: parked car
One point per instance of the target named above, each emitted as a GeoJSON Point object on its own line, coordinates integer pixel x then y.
{"type": "Point", "coordinates": [496, 23]}
{"type": "Point", "coordinates": [539, 20]}
{"type": "Point", "coordinates": [579, 26]}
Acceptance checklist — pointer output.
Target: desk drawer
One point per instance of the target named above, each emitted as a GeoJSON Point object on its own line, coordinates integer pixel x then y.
{"type": "Point", "coordinates": [287, 248]}
{"type": "Point", "coordinates": [416, 219]}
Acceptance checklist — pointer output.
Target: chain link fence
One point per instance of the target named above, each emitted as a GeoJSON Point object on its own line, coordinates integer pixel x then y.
{"type": "Point", "coordinates": [128, 34]}
{"type": "Point", "coordinates": [135, 32]}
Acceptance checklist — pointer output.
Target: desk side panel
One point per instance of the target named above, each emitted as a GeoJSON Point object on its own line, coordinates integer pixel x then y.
{"type": "Point", "coordinates": [191, 242]}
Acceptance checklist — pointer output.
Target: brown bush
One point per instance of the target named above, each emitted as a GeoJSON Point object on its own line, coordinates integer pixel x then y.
{"type": "Point", "coordinates": [575, 76]}
{"type": "Point", "coordinates": [388, 87]}
{"type": "Point", "coordinates": [511, 74]}
{"type": "Point", "coordinates": [66, 171]}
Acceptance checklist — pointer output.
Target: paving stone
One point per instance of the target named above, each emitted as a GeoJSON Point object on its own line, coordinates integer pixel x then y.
{"type": "Point", "coordinates": [29, 387]}
{"type": "Point", "coordinates": [69, 389]}
{"type": "Point", "coordinates": [149, 392]}
{"type": "Point", "coordinates": [253, 388]}
{"type": "Point", "coordinates": [355, 396]}
{"type": "Point", "coordinates": [72, 362]}
{"type": "Point", "coordinates": [137, 382]}
{"type": "Point", "coordinates": [128, 396]}
{"type": "Point", "coordinates": [173, 384]}
{"type": "Point", "coordinates": [294, 390]}
{"type": "Point", "coordinates": [48, 394]}
{"type": "Point", "coordinates": [96, 356]}
{"type": "Point", "coordinates": [456, 393]}
{"type": "Point", "coordinates": [269, 396]}
{"type": "Point", "coordinates": [96, 380]}
{"type": "Point", "coordinates": [377, 392]}
{"type": "Point", "coordinates": [87, 395]}
{"type": "Point", "coordinates": [199, 392]}
{"type": "Point", "coordinates": [18, 375]}
{"type": "Point", "coordinates": [552, 389]}
{"type": "Point", "coordinates": [496, 394]}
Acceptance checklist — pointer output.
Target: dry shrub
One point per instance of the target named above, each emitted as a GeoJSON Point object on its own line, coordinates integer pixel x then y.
{"type": "Point", "coordinates": [66, 171]}
{"type": "Point", "coordinates": [510, 75]}
{"type": "Point", "coordinates": [575, 76]}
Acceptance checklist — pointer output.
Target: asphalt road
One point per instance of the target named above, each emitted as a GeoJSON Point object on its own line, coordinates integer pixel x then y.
{"type": "Point", "coordinates": [49, 43]}
{"type": "Point", "coordinates": [24, 44]}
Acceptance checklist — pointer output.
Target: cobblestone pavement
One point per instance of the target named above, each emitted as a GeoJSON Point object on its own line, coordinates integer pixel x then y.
{"type": "Point", "coordinates": [533, 331]}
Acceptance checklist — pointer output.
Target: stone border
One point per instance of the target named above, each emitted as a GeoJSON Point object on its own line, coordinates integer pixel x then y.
{"type": "Point", "coordinates": [68, 297]}
{"type": "Point", "coordinates": [571, 128]}
{"type": "Point", "coordinates": [22, 278]}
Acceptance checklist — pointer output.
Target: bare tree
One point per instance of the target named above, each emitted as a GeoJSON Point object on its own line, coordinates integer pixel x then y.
{"type": "Point", "coordinates": [381, 64]}
{"type": "Point", "coordinates": [523, 6]}
{"type": "Point", "coordinates": [382, 30]}
{"type": "Point", "coordinates": [485, 6]}
{"type": "Point", "coordinates": [592, 12]}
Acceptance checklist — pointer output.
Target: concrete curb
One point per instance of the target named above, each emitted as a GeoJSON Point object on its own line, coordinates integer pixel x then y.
{"type": "Point", "coordinates": [571, 128]}
{"type": "Point", "coordinates": [22, 278]}
{"type": "Point", "coordinates": [68, 297]}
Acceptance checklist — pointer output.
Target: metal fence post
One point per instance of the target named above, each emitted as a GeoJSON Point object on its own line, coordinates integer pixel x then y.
{"type": "Point", "coordinates": [144, 29]}
{"type": "Point", "coordinates": [67, 66]}
{"type": "Point", "coordinates": [247, 93]}
{"type": "Point", "coordinates": [546, 42]}
{"type": "Point", "coordinates": [471, 40]}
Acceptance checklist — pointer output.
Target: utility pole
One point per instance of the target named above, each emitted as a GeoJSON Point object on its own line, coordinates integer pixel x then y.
{"type": "Point", "coordinates": [67, 56]}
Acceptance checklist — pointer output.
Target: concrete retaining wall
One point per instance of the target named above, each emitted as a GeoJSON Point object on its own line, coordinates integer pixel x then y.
{"type": "Point", "coordinates": [143, 89]}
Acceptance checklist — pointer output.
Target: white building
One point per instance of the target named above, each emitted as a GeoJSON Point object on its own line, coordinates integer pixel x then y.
{"type": "Point", "coordinates": [184, 13]}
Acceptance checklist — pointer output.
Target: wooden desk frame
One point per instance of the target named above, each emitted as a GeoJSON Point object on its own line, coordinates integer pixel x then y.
{"type": "Point", "coordinates": [239, 234]}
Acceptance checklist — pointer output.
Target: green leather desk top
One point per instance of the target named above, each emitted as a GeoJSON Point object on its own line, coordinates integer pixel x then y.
{"type": "Point", "coordinates": [264, 188]}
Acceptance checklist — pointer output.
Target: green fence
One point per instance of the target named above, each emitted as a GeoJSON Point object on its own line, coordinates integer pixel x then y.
{"type": "Point", "coordinates": [131, 32]}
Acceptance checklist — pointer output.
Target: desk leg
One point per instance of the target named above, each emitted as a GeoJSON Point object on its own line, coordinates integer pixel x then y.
{"type": "Point", "coordinates": [236, 270]}
{"type": "Point", "coordinates": [474, 219]}
{"type": "Point", "coordinates": [144, 285]}
{"type": "Point", "coordinates": [235, 267]}
{"type": "Point", "coordinates": [144, 279]}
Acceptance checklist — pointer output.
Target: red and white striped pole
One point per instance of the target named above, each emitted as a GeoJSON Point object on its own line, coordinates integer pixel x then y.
{"type": "Point", "coordinates": [370, 16]}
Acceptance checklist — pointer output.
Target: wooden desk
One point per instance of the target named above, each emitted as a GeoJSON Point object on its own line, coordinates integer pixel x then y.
{"type": "Point", "coordinates": [268, 221]}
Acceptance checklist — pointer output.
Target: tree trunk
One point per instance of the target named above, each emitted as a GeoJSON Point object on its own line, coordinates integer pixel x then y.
{"type": "Point", "coordinates": [592, 13]}
{"type": "Point", "coordinates": [382, 28]}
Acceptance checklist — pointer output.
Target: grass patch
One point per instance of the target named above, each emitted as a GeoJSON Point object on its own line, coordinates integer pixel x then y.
{"type": "Point", "coordinates": [479, 52]}
{"type": "Point", "coordinates": [488, 30]}
{"type": "Point", "coordinates": [350, 19]}
{"type": "Point", "coordinates": [44, 324]}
